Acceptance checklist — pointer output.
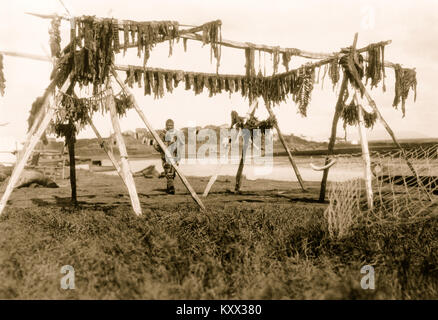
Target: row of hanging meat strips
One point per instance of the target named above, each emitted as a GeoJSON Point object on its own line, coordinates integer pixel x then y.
{"type": "Point", "coordinates": [298, 83]}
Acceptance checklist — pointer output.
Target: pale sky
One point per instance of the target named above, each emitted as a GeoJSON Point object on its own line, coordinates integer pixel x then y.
{"type": "Point", "coordinates": [320, 26]}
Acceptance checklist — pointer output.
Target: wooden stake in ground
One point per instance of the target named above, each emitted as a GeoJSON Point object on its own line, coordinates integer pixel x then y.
{"type": "Point", "coordinates": [127, 174]}
{"type": "Point", "coordinates": [157, 138]}
{"type": "Point", "coordinates": [365, 156]}
{"type": "Point", "coordinates": [30, 145]}
{"type": "Point", "coordinates": [241, 164]}
{"type": "Point", "coordinates": [283, 142]}
{"type": "Point", "coordinates": [70, 140]}
{"type": "Point", "coordinates": [63, 162]}
{"type": "Point", "coordinates": [69, 133]}
{"type": "Point", "coordinates": [245, 146]}
{"type": "Point", "coordinates": [213, 178]}
{"type": "Point", "coordinates": [331, 146]}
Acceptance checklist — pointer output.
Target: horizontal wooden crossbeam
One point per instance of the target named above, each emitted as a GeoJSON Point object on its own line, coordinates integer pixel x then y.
{"type": "Point", "coordinates": [121, 22]}
{"type": "Point", "coordinates": [191, 34]}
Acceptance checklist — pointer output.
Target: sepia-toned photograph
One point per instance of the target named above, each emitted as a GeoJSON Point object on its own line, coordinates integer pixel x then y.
{"type": "Point", "coordinates": [239, 151]}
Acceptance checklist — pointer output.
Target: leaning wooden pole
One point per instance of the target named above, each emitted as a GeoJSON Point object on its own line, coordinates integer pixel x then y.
{"type": "Point", "coordinates": [158, 139]}
{"type": "Point", "coordinates": [49, 91]}
{"type": "Point", "coordinates": [365, 156]}
{"type": "Point", "coordinates": [104, 146]}
{"type": "Point", "coordinates": [373, 105]}
{"type": "Point", "coordinates": [363, 136]}
{"type": "Point", "coordinates": [283, 142]}
{"type": "Point", "coordinates": [129, 179]}
{"type": "Point", "coordinates": [110, 154]}
{"type": "Point", "coordinates": [30, 145]}
{"type": "Point", "coordinates": [331, 146]}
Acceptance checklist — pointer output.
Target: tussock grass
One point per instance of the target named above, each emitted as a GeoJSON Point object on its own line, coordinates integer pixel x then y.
{"type": "Point", "coordinates": [256, 251]}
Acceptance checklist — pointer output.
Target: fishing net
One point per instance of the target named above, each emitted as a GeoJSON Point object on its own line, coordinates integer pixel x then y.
{"type": "Point", "coordinates": [399, 193]}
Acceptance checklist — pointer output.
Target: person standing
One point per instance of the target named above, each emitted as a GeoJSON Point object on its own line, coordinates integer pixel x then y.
{"type": "Point", "coordinates": [171, 139]}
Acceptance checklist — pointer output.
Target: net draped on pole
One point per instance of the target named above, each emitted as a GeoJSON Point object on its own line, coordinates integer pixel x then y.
{"type": "Point", "coordinates": [397, 193]}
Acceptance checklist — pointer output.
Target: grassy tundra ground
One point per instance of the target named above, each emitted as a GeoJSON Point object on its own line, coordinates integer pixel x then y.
{"type": "Point", "coordinates": [263, 244]}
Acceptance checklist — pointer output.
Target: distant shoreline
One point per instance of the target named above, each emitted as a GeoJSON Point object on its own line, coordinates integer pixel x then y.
{"type": "Point", "coordinates": [280, 152]}
{"type": "Point", "coordinates": [139, 151]}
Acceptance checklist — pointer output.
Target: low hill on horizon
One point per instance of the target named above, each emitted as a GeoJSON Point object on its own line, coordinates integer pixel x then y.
{"type": "Point", "coordinates": [137, 146]}
{"type": "Point", "coordinates": [89, 147]}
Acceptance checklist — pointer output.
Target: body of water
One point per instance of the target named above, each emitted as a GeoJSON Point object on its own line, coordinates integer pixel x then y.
{"type": "Point", "coordinates": [7, 158]}
{"type": "Point", "coordinates": [280, 170]}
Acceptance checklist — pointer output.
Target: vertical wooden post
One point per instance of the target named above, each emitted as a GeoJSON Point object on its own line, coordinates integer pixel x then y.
{"type": "Point", "coordinates": [69, 132]}
{"type": "Point", "coordinates": [29, 147]}
{"type": "Point", "coordinates": [159, 141]}
{"type": "Point", "coordinates": [289, 154]}
{"type": "Point", "coordinates": [129, 180]}
{"type": "Point", "coordinates": [339, 106]}
{"type": "Point", "coordinates": [241, 165]}
{"type": "Point", "coordinates": [70, 138]}
{"type": "Point", "coordinates": [239, 173]}
{"type": "Point", "coordinates": [365, 156]}
{"type": "Point", "coordinates": [245, 147]}
{"type": "Point", "coordinates": [338, 110]}
{"type": "Point", "coordinates": [63, 162]}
